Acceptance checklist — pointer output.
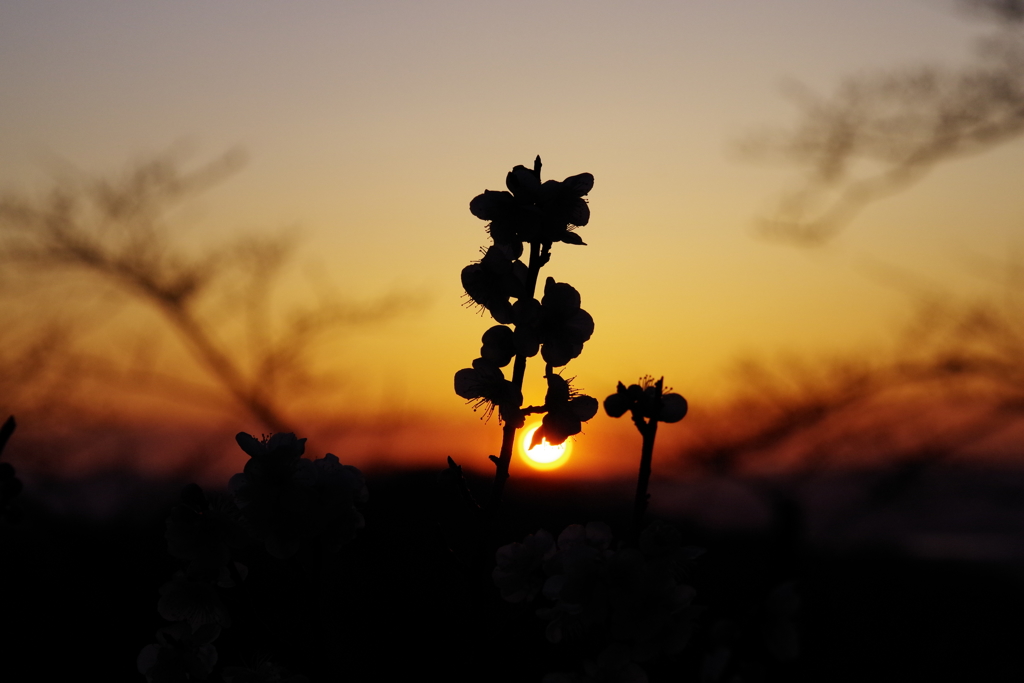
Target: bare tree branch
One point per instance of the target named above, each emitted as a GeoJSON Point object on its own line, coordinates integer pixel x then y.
{"type": "Point", "coordinates": [877, 135]}
{"type": "Point", "coordinates": [956, 382]}
{"type": "Point", "coordinates": [115, 231]}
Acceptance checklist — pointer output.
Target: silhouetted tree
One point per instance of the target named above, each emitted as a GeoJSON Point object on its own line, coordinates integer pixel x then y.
{"type": "Point", "coordinates": [878, 134]}
{"type": "Point", "coordinates": [117, 231]}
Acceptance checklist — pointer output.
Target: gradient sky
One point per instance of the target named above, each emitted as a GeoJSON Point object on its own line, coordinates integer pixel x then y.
{"type": "Point", "coordinates": [370, 125]}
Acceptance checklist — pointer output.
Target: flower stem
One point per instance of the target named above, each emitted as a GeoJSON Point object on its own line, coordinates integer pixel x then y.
{"type": "Point", "coordinates": [538, 257]}
{"type": "Point", "coordinates": [648, 430]}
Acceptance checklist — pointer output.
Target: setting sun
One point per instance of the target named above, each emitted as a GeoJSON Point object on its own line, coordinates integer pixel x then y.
{"type": "Point", "coordinates": [543, 456]}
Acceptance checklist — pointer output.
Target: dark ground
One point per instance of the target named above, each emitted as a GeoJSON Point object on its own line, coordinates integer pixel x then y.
{"type": "Point", "coordinates": [80, 593]}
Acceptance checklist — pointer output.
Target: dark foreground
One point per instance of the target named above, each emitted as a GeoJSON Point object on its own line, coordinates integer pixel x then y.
{"type": "Point", "coordinates": [79, 598]}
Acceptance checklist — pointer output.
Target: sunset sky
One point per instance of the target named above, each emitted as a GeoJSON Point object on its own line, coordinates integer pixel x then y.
{"type": "Point", "coordinates": [368, 127]}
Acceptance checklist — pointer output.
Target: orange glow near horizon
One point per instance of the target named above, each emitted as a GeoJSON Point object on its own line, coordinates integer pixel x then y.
{"type": "Point", "coordinates": [543, 456]}
{"type": "Point", "coordinates": [368, 129]}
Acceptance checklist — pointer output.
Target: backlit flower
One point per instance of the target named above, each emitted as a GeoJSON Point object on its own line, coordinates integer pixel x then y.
{"type": "Point", "coordinates": [181, 653]}
{"type": "Point", "coordinates": [567, 410]}
{"type": "Point", "coordinates": [564, 326]}
{"type": "Point", "coordinates": [495, 279]}
{"type": "Point", "coordinates": [499, 345]}
{"type": "Point", "coordinates": [532, 211]}
{"type": "Point", "coordinates": [338, 489]}
{"type": "Point", "coordinates": [556, 324]}
{"type": "Point", "coordinates": [646, 400]}
{"type": "Point", "coordinates": [518, 574]}
{"type": "Point", "coordinates": [203, 531]}
{"type": "Point", "coordinates": [287, 500]}
{"type": "Point", "coordinates": [485, 384]}
{"type": "Point", "coordinates": [272, 491]}
{"type": "Point", "coordinates": [196, 602]}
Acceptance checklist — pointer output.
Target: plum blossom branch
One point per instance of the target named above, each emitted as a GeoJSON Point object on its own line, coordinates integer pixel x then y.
{"type": "Point", "coordinates": [648, 403]}
{"type": "Point", "coordinates": [539, 214]}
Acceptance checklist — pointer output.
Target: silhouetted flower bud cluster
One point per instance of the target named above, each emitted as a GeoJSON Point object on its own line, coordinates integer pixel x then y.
{"type": "Point", "coordinates": [495, 279]}
{"type": "Point", "coordinates": [556, 326]}
{"type": "Point", "coordinates": [203, 533]}
{"type": "Point", "coordinates": [194, 602]}
{"type": "Point", "coordinates": [567, 410]}
{"type": "Point", "coordinates": [628, 604]}
{"type": "Point", "coordinates": [485, 384]}
{"type": "Point", "coordinates": [649, 403]}
{"type": "Point", "coordinates": [519, 572]}
{"type": "Point", "coordinates": [281, 501]}
{"type": "Point", "coordinates": [532, 211]}
{"type": "Point", "coordinates": [181, 653]}
{"type": "Point", "coordinates": [287, 500]}
{"type": "Point", "coordinates": [646, 400]}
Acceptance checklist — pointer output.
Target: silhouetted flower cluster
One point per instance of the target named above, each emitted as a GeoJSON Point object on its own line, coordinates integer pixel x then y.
{"type": "Point", "coordinates": [532, 211]}
{"type": "Point", "coordinates": [485, 384]}
{"type": "Point", "coordinates": [646, 400]}
{"type": "Point", "coordinates": [203, 532]}
{"type": "Point", "coordinates": [567, 410]}
{"type": "Point", "coordinates": [281, 501]}
{"type": "Point", "coordinates": [538, 214]}
{"type": "Point", "coordinates": [629, 604]}
{"type": "Point", "coordinates": [194, 602]}
{"type": "Point", "coordinates": [649, 404]}
{"type": "Point", "coordinates": [495, 279]}
{"type": "Point", "coordinates": [519, 571]}
{"type": "Point", "coordinates": [287, 500]}
{"type": "Point", "coordinates": [555, 325]}
{"type": "Point", "coordinates": [181, 653]}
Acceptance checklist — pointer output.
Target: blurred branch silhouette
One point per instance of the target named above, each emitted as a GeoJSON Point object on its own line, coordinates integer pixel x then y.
{"type": "Point", "coordinates": [874, 137]}
{"type": "Point", "coordinates": [957, 381]}
{"type": "Point", "coordinates": [116, 231]}
{"type": "Point", "coordinates": [953, 392]}
{"type": "Point", "coordinates": [879, 134]}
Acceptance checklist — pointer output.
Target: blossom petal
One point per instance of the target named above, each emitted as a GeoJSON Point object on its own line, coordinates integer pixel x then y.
{"type": "Point", "coordinates": [468, 384]}
{"type": "Point", "coordinates": [492, 205]}
{"type": "Point", "coordinates": [580, 327]}
{"type": "Point", "coordinates": [579, 185]}
{"type": "Point", "coordinates": [673, 408]}
{"type": "Point", "coordinates": [556, 428]}
{"type": "Point", "coordinates": [523, 183]}
{"type": "Point", "coordinates": [505, 234]}
{"type": "Point", "coordinates": [527, 342]}
{"type": "Point", "coordinates": [560, 296]}
{"type": "Point", "coordinates": [287, 442]}
{"type": "Point", "coordinates": [573, 238]}
{"type": "Point", "coordinates": [618, 403]}
{"type": "Point", "coordinates": [558, 391]}
{"type": "Point", "coordinates": [250, 444]}
{"type": "Point", "coordinates": [499, 345]}
{"type": "Point", "coordinates": [559, 353]}
{"type": "Point", "coordinates": [599, 535]}
{"type": "Point", "coordinates": [583, 407]}
{"type": "Point", "coordinates": [502, 313]}
{"type": "Point", "coordinates": [572, 535]}
{"type": "Point", "coordinates": [578, 213]}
